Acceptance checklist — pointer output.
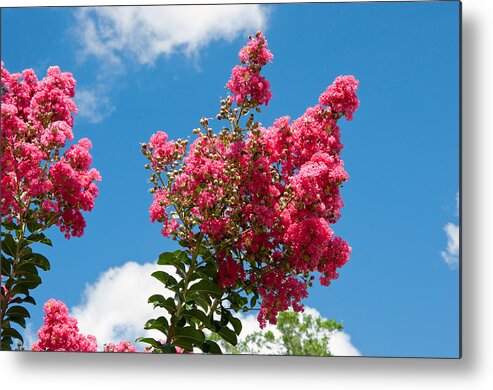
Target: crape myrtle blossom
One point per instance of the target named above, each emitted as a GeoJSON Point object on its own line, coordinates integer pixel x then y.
{"type": "Point", "coordinates": [44, 182]}
{"type": "Point", "coordinates": [37, 175]}
{"type": "Point", "coordinates": [61, 333]}
{"type": "Point", "coordinates": [262, 199]}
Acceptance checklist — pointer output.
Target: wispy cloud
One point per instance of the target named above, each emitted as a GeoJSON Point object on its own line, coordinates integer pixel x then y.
{"type": "Point", "coordinates": [451, 254]}
{"type": "Point", "coordinates": [93, 105]}
{"type": "Point", "coordinates": [143, 34]}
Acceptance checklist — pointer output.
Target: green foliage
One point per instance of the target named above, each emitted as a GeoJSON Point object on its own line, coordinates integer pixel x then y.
{"type": "Point", "coordinates": [197, 309]}
{"type": "Point", "coordinates": [19, 267]}
{"type": "Point", "coordinates": [298, 335]}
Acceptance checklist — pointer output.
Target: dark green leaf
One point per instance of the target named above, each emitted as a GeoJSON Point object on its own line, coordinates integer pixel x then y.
{"type": "Point", "coordinates": [8, 245]}
{"type": "Point", "coordinates": [39, 237]}
{"type": "Point", "coordinates": [160, 324]}
{"type": "Point", "coordinates": [199, 315]}
{"type": "Point", "coordinates": [6, 344]}
{"type": "Point", "coordinates": [207, 287]}
{"type": "Point", "coordinates": [148, 340]}
{"type": "Point", "coordinates": [212, 347]}
{"type": "Point", "coordinates": [228, 335]}
{"type": "Point", "coordinates": [6, 265]}
{"type": "Point", "coordinates": [40, 261]}
{"type": "Point", "coordinates": [26, 269]}
{"type": "Point", "coordinates": [166, 303]}
{"type": "Point", "coordinates": [33, 225]}
{"type": "Point", "coordinates": [27, 299]}
{"type": "Point", "coordinates": [167, 258]}
{"type": "Point", "coordinates": [26, 253]}
{"type": "Point", "coordinates": [236, 324]}
{"type": "Point", "coordinates": [191, 334]}
{"type": "Point", "coordinates": [11, 332]}
{"type": "Point", "coordinates": [30, 282]}
{"type": "Point", "coordinates": [18, 320]}
{"type": "Point", "coordinates": [203, 301]}
{"type": "Point", "coordinates": [9, 225]}
{"type": "Point", "coordinates": [20, 289]}
{"type": "Point", "coordinates": [17, 311]}
{"type": "Point", "coordinates": [164, 278]}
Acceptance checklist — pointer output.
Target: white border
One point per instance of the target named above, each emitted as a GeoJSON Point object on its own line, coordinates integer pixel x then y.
{"type": "Point", "coordinates": [474, 371]}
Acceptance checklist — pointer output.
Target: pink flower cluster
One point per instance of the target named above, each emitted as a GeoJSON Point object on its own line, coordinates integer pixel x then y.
{"type": "Point", "coordinates": [255, 53]}
{"type": "Point", "coordinates": [60, 331]}
{"type": "Point", "coordinates": [341, 96]}
{"type": "Point", "coordinates": [122, 346]}
{"type": "Point", "coordinates": [264, 203]}
{"type": "Point", "coordinates": [246, 83]}
{"type": "Point", "coordinates": [37, 123]}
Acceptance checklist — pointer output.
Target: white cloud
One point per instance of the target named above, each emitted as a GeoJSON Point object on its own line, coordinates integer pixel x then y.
{"type": "Point", "coordinates": [94, 105]}
{"type": "Point", "coordinates": [451, 254]}
{"type": "Point", "coordinates": [115, 307]}
{"type": "Point", "coordinates": [145, 33]}
{"type": "Point", "coordinates": [340, 345]}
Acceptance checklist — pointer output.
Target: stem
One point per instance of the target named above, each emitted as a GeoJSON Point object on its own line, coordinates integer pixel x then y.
{"type": "Point", "coordinates": [182, 295]}
{"type": "Point", "coordinates": [9, 284]}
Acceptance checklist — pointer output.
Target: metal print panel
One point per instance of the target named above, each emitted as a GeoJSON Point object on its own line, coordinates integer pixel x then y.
{"type": "Point", "coordinates": [263, 179]}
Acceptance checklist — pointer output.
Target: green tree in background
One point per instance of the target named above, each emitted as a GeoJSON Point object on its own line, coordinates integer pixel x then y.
{"type": "Point", "coordinates": [297, 334]}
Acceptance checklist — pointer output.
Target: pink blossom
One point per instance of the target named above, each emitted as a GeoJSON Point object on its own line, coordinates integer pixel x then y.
{"type": "Point", "coordinates": [246, 84]}
{"type": "Point", "coordinates": [255, 52]}
{"type": "Point", "coordinates": [60, 331]}
{"type": "Point", "coordinates": [341, 96]}
{"type": "Point", "coordinates": [122, 346]}
{"type": "Point", "coordinates": [36, 125]}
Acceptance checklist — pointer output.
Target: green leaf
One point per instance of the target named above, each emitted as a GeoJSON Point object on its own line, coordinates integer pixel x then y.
{"type": "Point", "coordinates": [207, 287]}
{"type": "Point", "coordinates": [160, 324]}
{"type": "Point", "coordinates": [164, 278]}
{"type": "Point", "coordinates": [33, 225]}
{"type": "Point", "coordinates": [199, 315]}
{"type": "Point", "coordinates": [11, 332]}
{"type": "Point", "coordinates": [27, 299]}
{"type": "Point", "coordinates": [18, 320]}
{"type": "Point", "coordinates": [40, 261]}
{"type": "Point", "coordinates": [203, 301]}
{"type": "Point", "coordinates": [6, 344]}
{"type": "Point", "coordinates": [236, 324]}
{"type": "Point", "coordinates": [17, 311]}
{"type": "Point", "coordinates": [30, 282]}
{"type": "Point", "coordinates": [39, 237]}
{"type": "Point", "coordinates": [159, 300]}
{"type": "Point", "coordinates": [20, 289]}
{"type": "Point", "coordinates": [26, 253]}
{"type": "Point", "coordinates": [9, 225]}
{"type": "Point", "coordinates": [6, 265]}
{"type": "Point", "coordinates": [167, 258]}
{"type": "Point", "coordinates": [149, 340]}
{"type": "Point", "coordinates": [190, 334]}
{"type": "Point", "coordinates": [212, 347]}
{"type": "Point", "coordinates": [26, 269]}
{"type": "Point", "coordinates": [8, 245]}
{"type": "Point", "coordinates": [228, 335]}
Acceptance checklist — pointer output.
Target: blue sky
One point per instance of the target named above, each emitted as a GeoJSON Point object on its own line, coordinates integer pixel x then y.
{"type": "Point", "coordinates": [397, 296]}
